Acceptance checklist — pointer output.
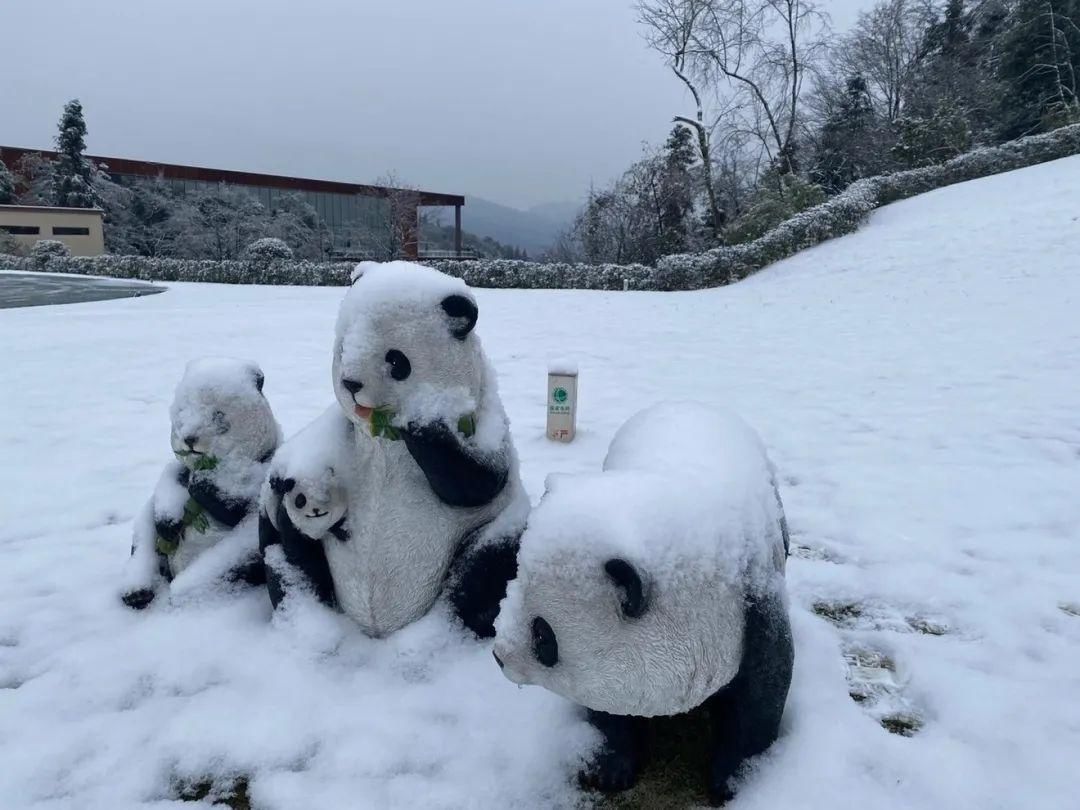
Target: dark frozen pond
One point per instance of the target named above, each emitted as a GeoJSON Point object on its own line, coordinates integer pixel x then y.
{"type": "Point", "coordinates": [35, 290]}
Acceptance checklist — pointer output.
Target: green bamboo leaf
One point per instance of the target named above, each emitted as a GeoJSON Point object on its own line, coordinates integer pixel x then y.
{"type": "Point", "coordinates": [466, 425]}
{"type": "Point", "coordinates": [166, 547]}
{"type": "Point", "coordinates": [195, 516]}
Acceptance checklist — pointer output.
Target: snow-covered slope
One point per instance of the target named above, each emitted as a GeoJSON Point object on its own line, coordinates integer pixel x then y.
{"type": "Point", "coordinates": [918, 385]}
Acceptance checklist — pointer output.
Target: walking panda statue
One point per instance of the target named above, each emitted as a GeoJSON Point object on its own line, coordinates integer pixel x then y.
{"type": "Point", "coordinates": [223, 435]}
{"type": "Point", "coordinates": [656, 587]}
{"type": "Point", "coordinates": [420, 450]}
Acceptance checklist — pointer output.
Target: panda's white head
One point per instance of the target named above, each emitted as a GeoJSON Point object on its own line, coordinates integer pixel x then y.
{"type": "Point", "coordinates": [404, 341]}
{"type": "Point", "coordinates": [608, 629]}
{"type": "Point", "coordinates": [314, 503]}
{"type": "Point", "coordinates": [219, 415]}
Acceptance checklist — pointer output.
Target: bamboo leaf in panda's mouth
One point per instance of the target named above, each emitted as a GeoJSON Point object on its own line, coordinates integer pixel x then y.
{"type": "Point", "coordinates": [381, 424]}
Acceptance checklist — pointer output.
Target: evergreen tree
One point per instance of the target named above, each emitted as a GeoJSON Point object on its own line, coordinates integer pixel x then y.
{"type": "Point", "coordinates": [850, 144]}
{"type": "Point", "coordinates": [677, 190]}
{"type": "Point", "coordinates": [936, 138]}
{"type": "Point", "coordinates": [1039, 66]}
{"type": "Point", "coordinates": [72, 181]}
{"type": "Point", "coordinates": [7, 185]}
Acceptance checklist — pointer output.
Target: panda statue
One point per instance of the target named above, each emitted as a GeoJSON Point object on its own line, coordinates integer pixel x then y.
{"type": "Point", "coordinates": [223, 436]}
{"type": "Point", "coordinates": [420, 444]}
{"type": "Point", "coordinates": [656, 587]}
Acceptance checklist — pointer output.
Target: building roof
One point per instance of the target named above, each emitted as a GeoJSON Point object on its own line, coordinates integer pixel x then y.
{"type": "Point", "coordinates": [175, 171]}
{"type": "Point", "coordinates": [52, 209]}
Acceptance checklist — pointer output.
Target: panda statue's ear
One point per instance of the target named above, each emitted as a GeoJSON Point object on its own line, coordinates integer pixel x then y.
{"type": "Point", "coordinates": [625, 576]}
{"type": "Point", "coordinates": [358, 271]}
{"type": "Point", "coordinates": [463, 314]}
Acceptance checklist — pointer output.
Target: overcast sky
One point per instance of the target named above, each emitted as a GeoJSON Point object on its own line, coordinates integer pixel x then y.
{"type": "Point", "coordinates": [519, 101]}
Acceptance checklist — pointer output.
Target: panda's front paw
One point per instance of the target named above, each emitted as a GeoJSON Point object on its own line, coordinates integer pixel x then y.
{"type": "Point", "coordinates": [720, 792]}
{"type": "Point", "coordinates": [169, 529]}
{"type": "Point", "coordinates": [610, 772]}
{"type": "Point", "coordinates": [138, 599]}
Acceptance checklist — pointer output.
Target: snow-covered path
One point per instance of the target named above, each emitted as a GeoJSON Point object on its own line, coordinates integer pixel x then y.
{"type": "Point", "coordinates": [918, 385]}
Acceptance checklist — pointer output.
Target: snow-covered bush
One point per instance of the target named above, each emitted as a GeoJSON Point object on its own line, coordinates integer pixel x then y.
{"type": "Point", "coordinates": [9, 247]}
{"type": "Point", "coordinates": [266, 250]}
{"type": "Point", "coordinates": [45, 250]}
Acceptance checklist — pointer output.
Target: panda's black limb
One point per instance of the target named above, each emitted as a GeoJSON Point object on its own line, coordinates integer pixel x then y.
{"type": "Point", "coordinates": [458, 476]}
{"type": "Point", "coordinates": [249, 571]}
{"type": "Point", "coordinates": [617, 763]}
{"type": "Point", "coordinates": [305, 555]}
{"type": "Point", "coordinates": [137, 600]}
{"type": "Point", "coordinates": [745, 714]}
{"type": "Point", "coordinates": [221, 508]}
{"type": "Point", "coordinates": [477, 582]}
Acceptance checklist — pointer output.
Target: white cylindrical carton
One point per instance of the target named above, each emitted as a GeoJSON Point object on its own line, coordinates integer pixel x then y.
{"type": "Point", "coordinates": [562, 402]}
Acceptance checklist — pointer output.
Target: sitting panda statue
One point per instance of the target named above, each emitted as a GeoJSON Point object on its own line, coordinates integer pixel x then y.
{"type": "Point", "coordinates": [656, 587]}
{"type": "Point", "coordinates": [421, 445]}
{"type": "Point", "coordinates": [223, 435]}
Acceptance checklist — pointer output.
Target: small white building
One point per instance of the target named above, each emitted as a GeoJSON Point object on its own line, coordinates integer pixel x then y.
{"type": "Point", "coordinates": [78, 228]}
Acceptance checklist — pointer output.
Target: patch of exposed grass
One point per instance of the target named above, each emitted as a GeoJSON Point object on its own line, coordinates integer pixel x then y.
{"type": "Point", "coordinates": [232, 794]}
{"type": "Point", "coordinates": [903, 723]}
{"type": "Point", "coordinates": [676, 774]}
{"type": "Point", "coordinates": [842, 614]}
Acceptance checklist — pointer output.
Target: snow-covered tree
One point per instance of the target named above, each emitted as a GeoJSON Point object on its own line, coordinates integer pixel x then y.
{"type": "Point", "coordinates": [7, 185]}
{"type": "Point", "coordinates": [72, 174]}
{"type": "Point", "coordinates": [935, 138]}
{"type": "Point", "coordinates": [1039, 66]}
{"type": "Point", "coordinates": [884, 49]}
{"type": "Point", "coordinates": [853, 142]}
{"type": "Point", "coordinates": [34, 176]}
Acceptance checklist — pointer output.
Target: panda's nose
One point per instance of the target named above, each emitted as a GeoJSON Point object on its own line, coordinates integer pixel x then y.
{"type": "Point", "coordinates": [352, 386]}
{"type": "Point", "coordinates": [190, 441]}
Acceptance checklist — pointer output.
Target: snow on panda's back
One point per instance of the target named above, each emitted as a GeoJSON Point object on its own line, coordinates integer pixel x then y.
{"type": "Point", "coordinates": [632, 582]}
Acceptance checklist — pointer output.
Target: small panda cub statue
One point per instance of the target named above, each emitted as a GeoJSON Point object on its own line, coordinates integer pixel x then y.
{"type": "Point", "coordinates": [223, 436]}
{"type": "Point", "coordinates": [656, 587]}
{"type": "Point", "coordinates": [316, 505]}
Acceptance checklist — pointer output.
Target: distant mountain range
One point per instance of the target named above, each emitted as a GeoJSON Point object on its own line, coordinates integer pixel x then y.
{"type": "Point", "coordinates": [533, 229]}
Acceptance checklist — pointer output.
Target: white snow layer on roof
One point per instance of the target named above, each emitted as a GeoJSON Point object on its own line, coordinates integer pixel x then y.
{"type": "Point", "coordinates": [915, 384]}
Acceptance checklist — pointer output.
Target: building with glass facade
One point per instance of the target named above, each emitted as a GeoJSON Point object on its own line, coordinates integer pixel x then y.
{"type": "Point", "coordinates": [344, 207]}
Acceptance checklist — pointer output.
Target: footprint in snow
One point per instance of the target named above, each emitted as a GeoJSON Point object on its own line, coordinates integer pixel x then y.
{"type": "Point", "coordinates": [815, 553]}
{"type": "Point", "coordinates": [869, 615]}
{"type": "Point", "coordinates": [875, 684]}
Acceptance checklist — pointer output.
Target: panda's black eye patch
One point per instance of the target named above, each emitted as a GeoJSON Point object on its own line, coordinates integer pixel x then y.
{"type": "Point", "coordinates": [301, 501]}
{"type": "Point", "coordinates": [400, 367]}
{"type": "Point", "coordinates": [545, 645]}
{"type": "Point", "coordinates": [221, 423]}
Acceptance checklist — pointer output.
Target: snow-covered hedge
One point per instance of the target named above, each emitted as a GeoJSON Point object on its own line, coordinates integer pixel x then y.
{"type": "Point", "coordinates": [837, 216]}
{"type": "Point", "coordinates": [512, 273]}
{"type": "Point", "coordinates": [144, 268]}
{"type": "Point", "coordinates": [844, 213]}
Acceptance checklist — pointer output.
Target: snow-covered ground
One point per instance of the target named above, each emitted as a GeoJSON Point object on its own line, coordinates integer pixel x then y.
{"type": "Point", "coordinates": [917, 383]}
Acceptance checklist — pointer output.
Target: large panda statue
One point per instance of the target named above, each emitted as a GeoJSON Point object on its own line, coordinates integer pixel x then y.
{"type": "Point", "coordinates": [656, 587]}
{"type": "Point", "coordinates": [223, 436]}
{"type": "Point", "coordinates": [420, 446]}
